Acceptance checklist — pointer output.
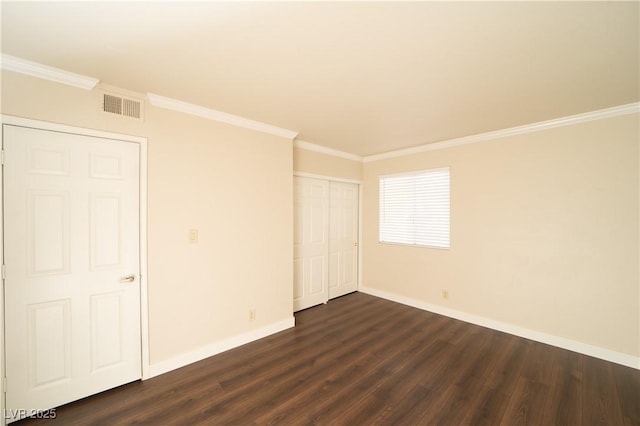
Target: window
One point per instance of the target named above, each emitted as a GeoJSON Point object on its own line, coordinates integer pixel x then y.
{"type": "Point", "coordinates": [414, 208]}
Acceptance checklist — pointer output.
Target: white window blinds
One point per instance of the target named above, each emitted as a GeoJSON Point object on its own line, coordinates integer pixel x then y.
{"type": "Point", "coordinates": [414, 208]}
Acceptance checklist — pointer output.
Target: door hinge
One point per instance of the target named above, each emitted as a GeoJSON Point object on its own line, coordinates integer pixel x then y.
{"type": "Point", "coordinates": [2, 157]}
{"type": "Point", "coordinates": [4, 272]}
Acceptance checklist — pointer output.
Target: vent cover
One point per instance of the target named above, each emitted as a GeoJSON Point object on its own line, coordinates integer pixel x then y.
{"type": "Point", "coordinates": [122, 106]}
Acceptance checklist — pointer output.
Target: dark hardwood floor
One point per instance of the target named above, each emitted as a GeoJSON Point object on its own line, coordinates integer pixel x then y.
{"type": "Point", "coordinates": [361, 360]}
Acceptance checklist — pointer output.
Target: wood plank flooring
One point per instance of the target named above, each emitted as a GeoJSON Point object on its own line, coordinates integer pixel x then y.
{"type": "Point", "coordinates": [361, 360]}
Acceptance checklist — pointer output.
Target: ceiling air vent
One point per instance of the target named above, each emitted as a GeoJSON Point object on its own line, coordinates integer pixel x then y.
{"type": "Point", "coordinates": [122, 106]}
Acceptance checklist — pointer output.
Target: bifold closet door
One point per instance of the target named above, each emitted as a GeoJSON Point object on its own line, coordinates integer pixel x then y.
{"type": "Point", "coordinates": [325, 240]}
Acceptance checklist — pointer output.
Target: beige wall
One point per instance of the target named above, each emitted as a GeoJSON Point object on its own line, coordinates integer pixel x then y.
{"type": "Point", "coordinates": [544, 233]}
{"type": "Point", "coordinates": [545, 226]}
{"type": "Point", "coordinates": [233, 185]}
{"type": "Point", "coordinates": [326, 165]}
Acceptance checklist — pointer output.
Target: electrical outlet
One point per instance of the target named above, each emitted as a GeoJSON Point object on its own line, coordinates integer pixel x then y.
{"type": "Point", "coordinates": [193, 235]}
{"type": "Point", "coordinates": [252, 314]}
{"type": "Point", "coordinates": [445, 294]}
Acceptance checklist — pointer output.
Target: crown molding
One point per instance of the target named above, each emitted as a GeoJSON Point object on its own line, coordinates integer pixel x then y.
{"type": "Point", "coordinates": [34, 69]}
{"type": "Point", "coordinates": [324, 150]}
{"type": "Point", "coordinates": [512, 131]}
{"type": "Point", "coordinates": [223, 117]}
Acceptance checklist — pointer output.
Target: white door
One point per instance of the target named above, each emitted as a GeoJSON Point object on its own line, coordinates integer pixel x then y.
{"type": "Point", "coordinates": [311, 242]}
{"type": "Point", "coordinates": [72, 289]}
{"type": "Point", "coordinates": [343, 239]}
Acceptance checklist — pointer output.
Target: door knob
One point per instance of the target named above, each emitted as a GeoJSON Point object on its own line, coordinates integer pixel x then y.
{"type": "Point", "coordinates": [128, 278]}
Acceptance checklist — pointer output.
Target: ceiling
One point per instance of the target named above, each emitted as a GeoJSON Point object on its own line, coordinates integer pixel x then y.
{"type": "Point", "coordinates": [360, 77]}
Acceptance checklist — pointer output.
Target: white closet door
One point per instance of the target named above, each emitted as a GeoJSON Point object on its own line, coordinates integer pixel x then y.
{"type": "Point", "coordinates": [343, 239]}
{"type": "Point", "coordinates": [311, 242]}
{"type": "Point", "coordinates": [72, 289]}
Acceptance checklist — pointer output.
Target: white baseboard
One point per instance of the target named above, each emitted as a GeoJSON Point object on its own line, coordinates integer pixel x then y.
{"type": "Point", "coordinates": [561, 342]}
{"type": "Point", "coordinates": [216, 348]}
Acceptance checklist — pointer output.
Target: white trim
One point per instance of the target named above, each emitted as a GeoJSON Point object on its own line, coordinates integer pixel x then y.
{"type": "Point", "coordinates": [63, 128]}
{"type": "Point", "coordinates": [323, 177]}
{"type": "Point", "coordinates": [218, 347]}
{"type": "Point", "coordinates": [34, 69]}
{"type": "Point", "coordinates": [528, 128]}
{"type": "Point", "coordinates": [223, 117]}
{"type": "Point", "coordinates": [324, 150]}
{"type": "Point", "coordinates": [360, 235]}
{"type": "Point", "coordinates": [561, 342]}
{"type": "Point", "coordinates": [3, 374]}
{"type": "Point", "coordinates": [144, 280]}
{"type": "Point", "coordinates": [144, 311]}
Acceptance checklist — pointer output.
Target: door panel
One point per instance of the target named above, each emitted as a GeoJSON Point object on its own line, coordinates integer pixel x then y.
{"type": "Point", "coordinates": [106, 231]}
{"type": "Point", "coordinates": [343, 244]}
{"type": "Point", "coordinates": [311, 242]}
{"type": "Point", "coordinates": [107, 346]}
{"type": "Point", "coordinates": [47, 232]}
{"type": "Point", "coordinates": [71, 233]}
{"type": "Point", "coordinates": [49, 341]}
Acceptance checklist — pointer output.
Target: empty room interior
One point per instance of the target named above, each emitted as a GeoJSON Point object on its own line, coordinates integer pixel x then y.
{"type": "Point", "coordinates": [320, 212]}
